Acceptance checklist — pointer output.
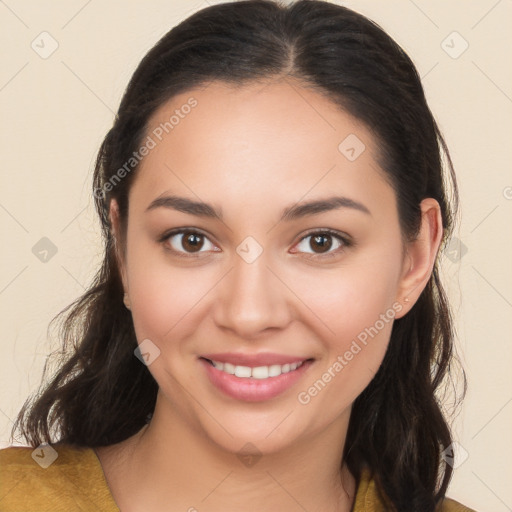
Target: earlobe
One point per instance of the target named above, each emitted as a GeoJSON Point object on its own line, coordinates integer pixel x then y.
{"type": "Point", "coordinates": [421, 255]}
{"type": "Point", "coordinates": [126, 300]}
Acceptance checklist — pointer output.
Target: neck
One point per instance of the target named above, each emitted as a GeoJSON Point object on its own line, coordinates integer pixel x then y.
{"type": "Point", "coordinates": [173, 466]}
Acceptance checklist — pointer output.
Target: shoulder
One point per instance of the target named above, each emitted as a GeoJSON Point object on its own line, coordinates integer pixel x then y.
{"type": "Point", "coordinates": [449, 505]}
{"type": "Point", "coordinates": [52, 478]}
{"type": "Point", "coordinates": [368, 498]}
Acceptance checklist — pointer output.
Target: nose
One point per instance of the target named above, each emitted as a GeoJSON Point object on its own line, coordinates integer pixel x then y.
{"type": "Point", "coordinates": [251, 299]}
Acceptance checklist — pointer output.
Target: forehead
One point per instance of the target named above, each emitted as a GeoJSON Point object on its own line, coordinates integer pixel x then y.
{"type": "Point", "coordinates": [268, 140]}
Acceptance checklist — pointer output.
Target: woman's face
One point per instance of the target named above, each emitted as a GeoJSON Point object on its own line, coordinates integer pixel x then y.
{"type": "Point", "coordinates": [255, 273]}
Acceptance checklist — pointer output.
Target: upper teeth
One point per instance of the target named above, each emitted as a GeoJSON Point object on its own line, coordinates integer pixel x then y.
{"type": "Point", "coordinates": [259, 372]}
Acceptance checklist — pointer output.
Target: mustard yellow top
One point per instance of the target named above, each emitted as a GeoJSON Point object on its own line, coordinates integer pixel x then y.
{"type": "Point", "coordinates": [73, 480]}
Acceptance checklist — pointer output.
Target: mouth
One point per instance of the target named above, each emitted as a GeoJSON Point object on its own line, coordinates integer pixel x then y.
{"type": "Point", "coordinates": [254, 383]}
{"type": "Point", "coordinates": [256, 372]}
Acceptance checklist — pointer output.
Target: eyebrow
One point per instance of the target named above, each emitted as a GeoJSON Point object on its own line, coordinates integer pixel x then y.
{"type": "Point", "coordinates": [296, 211]}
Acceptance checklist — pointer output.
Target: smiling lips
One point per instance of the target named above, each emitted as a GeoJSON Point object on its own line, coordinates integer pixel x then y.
{"type": "Point", "coordinates": [254, 377]}
{"type": "Point", "coordinates": [257, 372]}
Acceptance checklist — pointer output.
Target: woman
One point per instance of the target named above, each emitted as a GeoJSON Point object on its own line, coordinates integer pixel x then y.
{"type": "Point", "coordinates": [268, 328]}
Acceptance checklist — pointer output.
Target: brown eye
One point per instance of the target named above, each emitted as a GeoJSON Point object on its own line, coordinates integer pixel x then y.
{"type": "Point", "coordinates": [187, 242]}
{"type": "Point", "coordinates": [323, 243]}
{"type": "Point", "coordinates": [192, 242]}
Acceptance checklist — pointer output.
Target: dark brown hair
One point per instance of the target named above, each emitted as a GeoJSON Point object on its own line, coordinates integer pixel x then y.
{"type": "Point", "coordinates": [101, 394]}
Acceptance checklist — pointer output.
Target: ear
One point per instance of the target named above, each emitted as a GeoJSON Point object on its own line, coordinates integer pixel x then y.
{"type": "Point", "coordinates": [420, 256]}
{"type": "Point", "coordinates": [118, 241]}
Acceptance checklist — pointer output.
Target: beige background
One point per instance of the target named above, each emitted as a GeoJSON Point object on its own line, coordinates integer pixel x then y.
{"type": "Point", "coordinates": [56, 110]}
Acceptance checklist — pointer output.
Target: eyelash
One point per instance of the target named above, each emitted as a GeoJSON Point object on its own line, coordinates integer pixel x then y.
{"type": "Point", "coordinates": [344, 239]}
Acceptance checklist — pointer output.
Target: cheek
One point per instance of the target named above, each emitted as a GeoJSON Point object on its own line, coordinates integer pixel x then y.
{"type": "Point", "coordinates": [354, 354]}
{"type": "Point", "coordinates": [356, 306]}
{"type": "Point", "coordinates": [352, 297]}
{"type": "Point", "coordinates": [164, 297]}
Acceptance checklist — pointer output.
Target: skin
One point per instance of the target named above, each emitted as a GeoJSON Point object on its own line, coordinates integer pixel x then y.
{"type": "Point", "coordinates": [252, 151]}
